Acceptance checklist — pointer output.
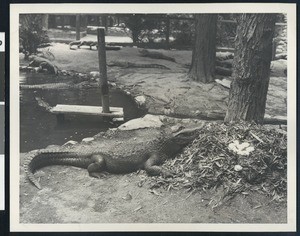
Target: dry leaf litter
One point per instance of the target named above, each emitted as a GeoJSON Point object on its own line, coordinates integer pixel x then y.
{"type": "Point", "coordinates": [235, 158]}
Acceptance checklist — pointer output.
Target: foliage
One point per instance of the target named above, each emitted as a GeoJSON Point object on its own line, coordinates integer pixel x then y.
{"type": "Point", "coordinates": [183, 31]}
{"type": "Point", "coordinates": [226, 31]}
{"type": "Point", "coordinates": [144, 27]}
{"type": "Point", "coordinates": [32, 33]}
{"type": "Point", "coordinates": [209, 163]}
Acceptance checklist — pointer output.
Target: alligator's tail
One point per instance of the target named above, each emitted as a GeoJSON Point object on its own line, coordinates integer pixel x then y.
{"type": "Point", "coordinates": [42, 158]}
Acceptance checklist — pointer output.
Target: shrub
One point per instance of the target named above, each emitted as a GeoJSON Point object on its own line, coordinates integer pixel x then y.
{"type": "Point", "coordinates": [32, 33]}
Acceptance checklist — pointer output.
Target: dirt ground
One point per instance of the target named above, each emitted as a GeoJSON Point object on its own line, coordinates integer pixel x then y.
{"type": "Point", "coordinates": [169, 92]}
{"type": "Point", "coordinates": [69, 195]}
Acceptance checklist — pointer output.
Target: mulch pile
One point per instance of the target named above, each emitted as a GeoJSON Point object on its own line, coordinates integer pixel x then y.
{"type": "Point", "coordinates": [211, 162]}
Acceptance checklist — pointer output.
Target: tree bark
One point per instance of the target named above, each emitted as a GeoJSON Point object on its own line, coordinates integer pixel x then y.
{"type": "Point", "coordinates": [251, 68]}
{"type": "Point", "coordinates": [77, 27]}
{"type": "Point", "coordinates": [204, 53]}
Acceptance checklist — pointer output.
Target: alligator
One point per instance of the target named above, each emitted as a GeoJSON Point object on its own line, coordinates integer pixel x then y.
{"type": "Point", "coordinates": [126, 64]}
{"type": "Point", "coordinates": [155, 55]}
{"type": "Point", "coordinates": [43, 63]}
{"type": "Point", "coordinates": [80, 43]}
{"type": "Point", "coordinates": [91, 44]}
{"type": "Point", "coordinates": [69, 85]}
{"type": "Point", "coordinates": [148, 157]}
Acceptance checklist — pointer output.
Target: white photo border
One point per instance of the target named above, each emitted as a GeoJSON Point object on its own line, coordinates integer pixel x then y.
{"type": "Point", "coordinates": [16, 9]}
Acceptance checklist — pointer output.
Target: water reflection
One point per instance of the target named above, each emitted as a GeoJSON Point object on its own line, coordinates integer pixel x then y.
{"type": "Point", "coordinates": [39, 128]}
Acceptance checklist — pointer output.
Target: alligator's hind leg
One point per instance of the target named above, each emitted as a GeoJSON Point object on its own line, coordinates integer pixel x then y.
{"type": "Point", "coordinates": [152, 166]}
{"type": "Point", "coordinates": [97, 166]}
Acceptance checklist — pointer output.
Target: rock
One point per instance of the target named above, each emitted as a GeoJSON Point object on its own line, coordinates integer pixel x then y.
{"type": "Point", "coordinates": [37, 69]}
{"type": "Point", "coordinates": [112, 84]}
{"type": "Point", "coordinates": [140, 100]}
{"type": "Point", "coordinates": [167, 111]}
{"type": "Point", "coordinates": [186, 121]}
{"type": "Point", "coordinates": [148, 121]}
{"type": "Point", "coordinates": [118, 119]}
{"type": "Point", "coordinates": [238, 168]}
{"type": "Point", "coordinates": [64, 72]}
{"type": "Point", "coordinates": [70, 143]}
{"type": "Point", "coordinates": [224, 82]}
{"type": "Point", "coordinates": [87, 140]}
{"type": "Point", "coordinates": [280, 47]}
{"type": "Point", "coordinates": [95, 73]}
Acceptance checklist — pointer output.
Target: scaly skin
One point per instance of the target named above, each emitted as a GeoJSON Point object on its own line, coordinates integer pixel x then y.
{"type": "Point", "coordinates": [50, 86]}
{"type": "Point", "coordinates": [43, 63]}
{"type": "Point", "coordinates": [148, 158]}
{"type": "Point", "coordinates": [83, 43]}
{"type": "Point", "coordinates": [91, 44]}
{"type": "Point", "coordinates": [155, 55]}
{"type": "Point", "coordinates": [127, 64]}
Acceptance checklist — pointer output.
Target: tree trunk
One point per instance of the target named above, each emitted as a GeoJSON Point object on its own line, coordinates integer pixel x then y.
{"type": "Point", "coordinates": [204, 52]}
{"type": "Point", "coordinates": [104, 22]}
{"type": "Point", "coordinates": [251, 68]}
{"type": "Point", "coordinates": [77, 27]}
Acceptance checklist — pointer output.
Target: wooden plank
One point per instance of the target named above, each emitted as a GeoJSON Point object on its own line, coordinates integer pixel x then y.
{"type": "Point", "coordinates": [224, 49]}
{"type": "Point", "coordinates": [86, 110]}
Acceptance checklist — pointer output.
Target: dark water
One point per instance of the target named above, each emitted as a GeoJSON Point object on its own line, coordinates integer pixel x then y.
{"type": "Point", "coordinates": [40, 128]}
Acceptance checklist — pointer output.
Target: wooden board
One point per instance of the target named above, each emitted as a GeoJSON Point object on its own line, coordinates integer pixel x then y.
{"type": "Point", "coordinates": [86, 110]}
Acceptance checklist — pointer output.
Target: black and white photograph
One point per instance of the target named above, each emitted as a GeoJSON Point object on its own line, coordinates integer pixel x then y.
{"type": "Point", "coordinates": [153, 117]}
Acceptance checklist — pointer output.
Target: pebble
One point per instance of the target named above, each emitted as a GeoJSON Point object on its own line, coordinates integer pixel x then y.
{"type": "Point", "coordinates": [186, 121]}
{"type": "Point", "coordinates": [280, 47]}
{"type": "Point", "coordinates": [94, 73]}
{"type": "Point", "coordinates": [238, 168]}
{"type": "Point", "coordinates": [140, 100]}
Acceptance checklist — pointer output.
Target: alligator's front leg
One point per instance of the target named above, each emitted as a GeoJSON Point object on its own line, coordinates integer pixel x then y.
{"type": "Point", "coordinates": [97, 166]}
{"type": "Point", "coordinates": [152, 166]}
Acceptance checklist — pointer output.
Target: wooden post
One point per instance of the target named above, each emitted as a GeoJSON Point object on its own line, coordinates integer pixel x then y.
{"type": "Point", "coordinates": [102, 68]}
{"type": "Point", "coordinates": [77, 27]}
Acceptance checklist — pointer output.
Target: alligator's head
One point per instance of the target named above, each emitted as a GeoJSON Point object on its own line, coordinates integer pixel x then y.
{"type": "Point", "coordinates": [185, 136]}
{"type": "Point", "coordinates": [182, 138]}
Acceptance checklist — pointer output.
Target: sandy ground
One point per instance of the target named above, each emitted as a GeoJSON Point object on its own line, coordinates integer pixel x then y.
{"type": "Point", "coordinates": [71, 196]}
